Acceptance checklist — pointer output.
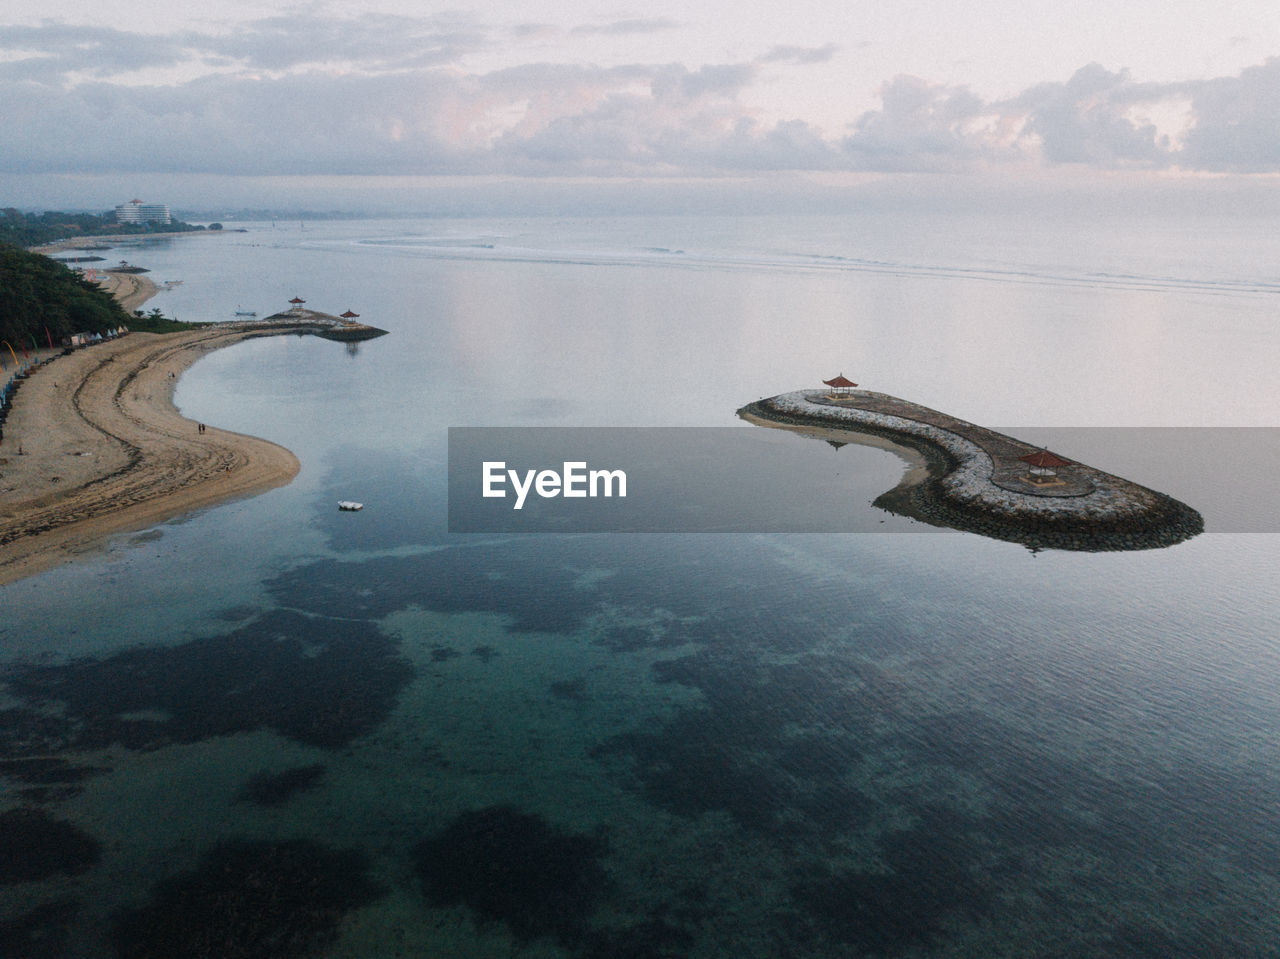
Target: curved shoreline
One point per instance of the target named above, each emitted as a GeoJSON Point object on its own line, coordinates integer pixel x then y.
{"type": "Point", "coordinates": [130, 290]}
{"type": "Point", "coordinates": [973, 480]}
{"type": "Point", "coordinates": [105, 450]}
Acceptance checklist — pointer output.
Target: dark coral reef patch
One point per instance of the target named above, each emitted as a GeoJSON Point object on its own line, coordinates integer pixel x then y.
{"type": "Point", "coordinates": [772, 746]}
{"type": "Point", "coordinates": [319, 681]}
{"type": "Point", "coordinates": [934, 872]}
{"type": "Point", "coordinates": [50, 779]}
{"type": "Point", "coordinates": [276, 789]}
{"type": "Point", "coordinates": [34, 846]}
{"type": "Point", "coordinates": [249, 900]}
{"type": "Point", "coordinates": [41, 933]}
{"type": "Point", "coordinates": [512, 867]}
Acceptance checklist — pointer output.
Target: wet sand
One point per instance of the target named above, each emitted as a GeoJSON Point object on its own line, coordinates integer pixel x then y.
{"type": "Point", "coordinates": [131, 290]}
{"type": "Point", "coordinates": [105, 451]}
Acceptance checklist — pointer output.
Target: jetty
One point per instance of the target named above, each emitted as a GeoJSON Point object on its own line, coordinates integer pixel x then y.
{"type": "Point", "coordinates": [342, 328]}
{"type": "Point", "coordinates": [986, 482]}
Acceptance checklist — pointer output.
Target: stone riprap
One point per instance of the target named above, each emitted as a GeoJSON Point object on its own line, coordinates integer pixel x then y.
{"type": "Point", "coordinates": [324, 325]}
{"type": "Point", "coordinates": [978, 483]}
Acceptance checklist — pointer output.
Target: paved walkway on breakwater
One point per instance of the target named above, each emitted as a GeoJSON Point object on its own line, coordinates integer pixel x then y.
{"type": "Point", "coordinates": [1008, 471]}
{"type": "Point", "coordinates": [978, 483]}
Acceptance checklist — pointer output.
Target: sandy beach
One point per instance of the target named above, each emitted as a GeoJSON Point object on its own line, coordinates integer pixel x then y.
{"type": "Point", "coordinates": [131, 290]}
{"type": "Point", "coordinates": [105, 451]}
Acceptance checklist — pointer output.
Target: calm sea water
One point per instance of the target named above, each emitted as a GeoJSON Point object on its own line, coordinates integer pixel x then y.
{"type": "Point", "coordinates": [273, 728]}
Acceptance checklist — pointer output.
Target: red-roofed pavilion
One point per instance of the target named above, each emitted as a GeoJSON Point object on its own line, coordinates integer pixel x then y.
{"type": "Point", "coordinates": [1043, 463]}
{"type": "Point", "coordinates": [349, 315]}
{"type": "Point", "coordinates": [297, 302]}
{"type": "Point", "coordinates": [840, 386]}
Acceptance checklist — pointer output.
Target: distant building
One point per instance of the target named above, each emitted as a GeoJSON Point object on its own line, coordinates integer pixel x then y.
{"type": "Point", "coordinates": [135, 211]}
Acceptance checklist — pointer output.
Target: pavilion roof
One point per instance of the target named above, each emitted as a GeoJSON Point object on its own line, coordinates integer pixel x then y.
{"type": "Point", "coordinates": [1043, 459]}
{"type": "Point", "coordinates": [840, 382]}
{"type": "Point", "coordinates": [348, 315]}
{"type": "Point", "coordinates": [297, 299]}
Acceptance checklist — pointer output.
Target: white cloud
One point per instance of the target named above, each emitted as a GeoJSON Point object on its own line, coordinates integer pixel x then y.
{"type": "Point", "coordinates": [920, 126]}
{"type": "Point", "coordinates": [790, 54]}
{"type": "Point", "coordinates": [393, 94]}
{"type": "Point", "coordinates": [372, 41]}
{"type": "Point", "coordinates": [626, 27]}
{"type": "Point", "coordinates": [1096, 118]}
{"type": "Point", "coordinates": [54, 50]}
{"type": "Point", "coordinates": [1237, 122]}
{"type": "Point", "coordinates": [1088, 119]}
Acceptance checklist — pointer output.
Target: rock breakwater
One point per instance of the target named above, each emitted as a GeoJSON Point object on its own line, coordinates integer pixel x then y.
{"type": "Point", "coordinates": [978, 482]}
{"type": "Point", "coordinates": [324, 325]}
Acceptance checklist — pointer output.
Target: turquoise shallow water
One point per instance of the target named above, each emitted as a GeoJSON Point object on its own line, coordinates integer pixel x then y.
{"type": "Point", "coordinates": [273, 727]}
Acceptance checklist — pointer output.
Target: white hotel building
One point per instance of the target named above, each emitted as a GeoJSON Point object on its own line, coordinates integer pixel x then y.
{"type": "Point", "coordinates": [135, 211]}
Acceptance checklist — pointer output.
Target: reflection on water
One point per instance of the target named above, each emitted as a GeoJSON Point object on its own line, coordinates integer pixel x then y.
{"type": "Point", "coordinates": [280, 730]}
{"type": "Point", "coordinates": [895, 766]}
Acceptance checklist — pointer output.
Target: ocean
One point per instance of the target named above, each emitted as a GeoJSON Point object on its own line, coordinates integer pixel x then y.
{"type": "Point", "coordinates": [274, 729]}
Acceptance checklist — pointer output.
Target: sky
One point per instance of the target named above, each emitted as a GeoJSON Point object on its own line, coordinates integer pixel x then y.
{"type": "Point", "coordinates": [240, 101]}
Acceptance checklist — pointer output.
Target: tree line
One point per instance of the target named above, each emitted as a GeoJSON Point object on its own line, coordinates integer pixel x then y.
{"type": "Point", "coordinates": [42, 300]}
{"type": "Point", "coordinates": [35, 229]}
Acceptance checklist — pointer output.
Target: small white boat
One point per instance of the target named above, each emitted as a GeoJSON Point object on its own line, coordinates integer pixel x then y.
{"type": "Point", "coordinates": [240, 312]}
{"type": "Point", "coordinates": [349, 506]}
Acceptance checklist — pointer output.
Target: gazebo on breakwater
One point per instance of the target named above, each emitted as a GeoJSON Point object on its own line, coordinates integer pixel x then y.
{"type": "Point", "coordinates": [1043, 468]}
{"type": "Point", "coordinates": [841, 387]}
{"type": "Point", "coordinates": [296, 303]}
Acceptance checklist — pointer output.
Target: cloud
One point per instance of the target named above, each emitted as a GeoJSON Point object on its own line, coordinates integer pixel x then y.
{"type": "Point", "coordinates": [714, 80]}
{"type": "Point", "coordinates": [53, 50]}
{"type": "Point", "coordinates": [384, 94]}
{"type": "Point", "coordinates": [540, 119]}
{"type": "Point", "coordinates": [1097, 118]}
{"type": "Point", "coordinates": [243, 126]}
{"type": "Point", "coordinates": [634, 120]}
{"type": "Point", "coordinates": [626, 27]}
{"type": "Point", "coordinates": [1237, 122]}
{"type": "Point", "coordinates": [373, 41]}
{"type": "Point", "coordinates": [523, 31]}
{"type": "Point", "coordinates": [801, 55]}
{"type": "Point", "coordinates": [920, 126]}
{"type": "Point", "coordinates": [1089, 120]}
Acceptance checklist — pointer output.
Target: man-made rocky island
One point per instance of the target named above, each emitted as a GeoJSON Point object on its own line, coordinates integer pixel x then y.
{"type": "Point", "coordinates": [298, 319]}
{"type": "Point", "coordinates": [985, 482]}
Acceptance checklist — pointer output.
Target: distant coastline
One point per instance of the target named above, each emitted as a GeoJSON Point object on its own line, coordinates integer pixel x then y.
{"type": "Point", "coordinates": [976, 479]}
{"type": "Point", "coordinates": [95, 241]}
